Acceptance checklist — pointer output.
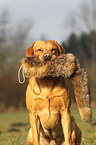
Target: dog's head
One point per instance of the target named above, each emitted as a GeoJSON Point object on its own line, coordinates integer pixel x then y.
{"type": "Point", "coordinates": [45, 50]}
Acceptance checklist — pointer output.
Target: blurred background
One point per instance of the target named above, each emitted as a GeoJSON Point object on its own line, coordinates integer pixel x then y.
{"type": "Point", "coordinates": [71, 23]}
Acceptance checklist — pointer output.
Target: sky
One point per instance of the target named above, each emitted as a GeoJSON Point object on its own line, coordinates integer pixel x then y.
{"type": "Point", "coordinates": [48, 16]}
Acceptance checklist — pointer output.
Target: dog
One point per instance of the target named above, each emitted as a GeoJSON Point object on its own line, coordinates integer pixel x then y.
{"type": "Point", "coordinates": [48, 102]}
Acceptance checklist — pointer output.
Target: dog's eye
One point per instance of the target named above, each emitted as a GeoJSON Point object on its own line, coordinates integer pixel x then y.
{"type": "Point", "coordinates": [53, 49]}
{"type": "Point", "coordinates": [39, 50]}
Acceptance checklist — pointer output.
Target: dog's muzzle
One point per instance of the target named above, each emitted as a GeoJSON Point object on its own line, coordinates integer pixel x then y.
{"type": "Point", "coordinates": [47, 56]}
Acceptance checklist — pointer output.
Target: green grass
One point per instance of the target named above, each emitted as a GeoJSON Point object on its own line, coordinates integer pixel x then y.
{"type": "Point", "coordinates": [88, 129]}
{"type": "Point", "coordinates": [18, 121]}
{"type": "Point", "coordinates": [14, 128]}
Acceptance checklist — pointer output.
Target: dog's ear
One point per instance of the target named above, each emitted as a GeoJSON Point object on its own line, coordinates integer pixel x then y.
{"type": "Point", "coordinates": [61, 49]}
{"type": "Point", "coordinates": [29, 51]}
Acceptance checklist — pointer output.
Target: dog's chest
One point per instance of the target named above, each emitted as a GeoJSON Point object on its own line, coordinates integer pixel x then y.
{"type": "Point", "coordinates": [46, 98]}
{"type": "Point", "coordinates": [48, 109]}
{"type": "Point", "coordinates": [49, 104]}
{"type": "Point", "coordinates": [50, 97]}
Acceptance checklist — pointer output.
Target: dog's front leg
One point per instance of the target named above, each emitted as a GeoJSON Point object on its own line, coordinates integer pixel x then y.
{"type": "Point", "coordinates": [34, 121]}
{"type": "Point", "coordinates": [66, 125]}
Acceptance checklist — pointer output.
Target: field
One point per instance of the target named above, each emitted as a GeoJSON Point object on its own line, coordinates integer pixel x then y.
{"type": "Point", "coordinates": [14, 128]}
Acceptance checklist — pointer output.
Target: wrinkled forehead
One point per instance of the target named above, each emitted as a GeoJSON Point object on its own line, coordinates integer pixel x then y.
{"type": "Point", "coordinates": [46, 45]}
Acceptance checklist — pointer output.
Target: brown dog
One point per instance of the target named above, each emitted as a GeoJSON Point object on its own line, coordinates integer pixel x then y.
{"type": "Point", "coordinates": [48, 102]}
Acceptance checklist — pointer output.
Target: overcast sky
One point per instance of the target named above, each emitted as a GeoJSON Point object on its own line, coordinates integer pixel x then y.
{"type": "Point", "coordinates": [49, 16]}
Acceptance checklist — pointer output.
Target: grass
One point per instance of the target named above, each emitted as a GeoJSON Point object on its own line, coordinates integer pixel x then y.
{"type": "Point", "coordinates": [88, 129]}
{"type": "Point", "coordinates": [14, 128]}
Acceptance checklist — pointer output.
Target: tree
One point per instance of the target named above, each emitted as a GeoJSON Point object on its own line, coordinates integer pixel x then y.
{"type": "Point", "coordinates": [12, 48]}
{"type": "Point", "coordinates": [12, 43]}
{"type": "Point", "coordinates": [83, 23]}
{"type": "Point", "coordinates": [81, 48]}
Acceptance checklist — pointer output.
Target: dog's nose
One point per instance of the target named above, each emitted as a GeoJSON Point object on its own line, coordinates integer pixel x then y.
{"type": "Point", "coordinates": [47, 56]}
